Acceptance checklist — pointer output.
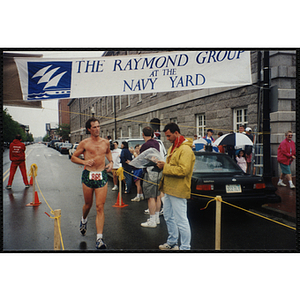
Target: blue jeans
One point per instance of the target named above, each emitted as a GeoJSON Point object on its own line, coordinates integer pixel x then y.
{"type": "Point", "coordinates": [128, 180]}
{"type": "Point", "coordinates": [175, 215]}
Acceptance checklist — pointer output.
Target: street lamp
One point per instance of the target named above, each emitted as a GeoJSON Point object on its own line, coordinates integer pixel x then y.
{"type": "Point", "coordinates": [93, 111]}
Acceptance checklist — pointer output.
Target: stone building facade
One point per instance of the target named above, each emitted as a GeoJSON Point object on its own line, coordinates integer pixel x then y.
{"type": "Point", "coordinates": [221, 109]}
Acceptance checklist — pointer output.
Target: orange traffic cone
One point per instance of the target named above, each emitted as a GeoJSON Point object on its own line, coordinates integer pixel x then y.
{"type": "Point", "coordinates": [31, 180]}
{"type": "Point", "coordinates": [36, 200]}
{"type": "Point", "coordinates": [120, 202]}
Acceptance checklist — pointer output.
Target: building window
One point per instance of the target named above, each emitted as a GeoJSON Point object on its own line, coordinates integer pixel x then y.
{"type": "Point", "coordinates": [240, 117]}
{"type": "Point", "coordinates": [120, 133]}
{"type": "Point", "coordinates": [201, 124]}
{"type": "Point", "coordinates": [120, 102]}
{"type": "Point", "coordinates": [113, 104]}
{"type": "Point", "coordinates": [128, 100]}
{"type": "Point", "coordinates": [129, 131]}
{"type": "Point", "coordinates": [107, 106]}
{"type": "Point", "coordinates": [141, 130]}
{"type": "Point", "coordinates": [140, 98]}
{"type": "Point", "coordinates": [173, 120]}
{"type": "Point", "coordinates": [103, 107]}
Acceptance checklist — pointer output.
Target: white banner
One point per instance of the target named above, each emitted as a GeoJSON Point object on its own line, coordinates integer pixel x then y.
{"type": "Point", "coordinates": [43, 79]}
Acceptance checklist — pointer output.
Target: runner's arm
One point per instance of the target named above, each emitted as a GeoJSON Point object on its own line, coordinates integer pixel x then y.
{"type": "Point", "coordinates": [75, 157]}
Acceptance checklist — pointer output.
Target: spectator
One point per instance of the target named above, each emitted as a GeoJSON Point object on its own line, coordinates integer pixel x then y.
{"type": "Point", "coordinates": [241, 161]}
{"type": "Point", "coordinates": [116, 153]}
{"type": "Point", "coordinates": [209, 138]}
{"type": "Point", "coordinates": [17, 157]}
{"type": "Point", "coordinates": [150, 183]}
{"type": "Point", "coordinates": [126, 157]}
{"type": "Point", "coordinates": [286, 153]}
{"type": "Point", "coordinates": [137, 174]}
{"type": "Point", "coordinates": [176, 185]}
{"type": "Point", "coordinates": [242, 129]}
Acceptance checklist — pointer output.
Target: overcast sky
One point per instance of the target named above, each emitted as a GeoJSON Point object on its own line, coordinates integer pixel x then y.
{"type": "Point", "coordinates": [36, 118]}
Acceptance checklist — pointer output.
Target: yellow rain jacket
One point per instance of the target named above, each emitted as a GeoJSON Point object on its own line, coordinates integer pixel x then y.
{"type": "Point", "coordinates": [178, 170]}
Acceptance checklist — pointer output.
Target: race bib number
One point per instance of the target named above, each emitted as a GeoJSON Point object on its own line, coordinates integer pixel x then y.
{"type": "Point", "coordinates": [95, 176]}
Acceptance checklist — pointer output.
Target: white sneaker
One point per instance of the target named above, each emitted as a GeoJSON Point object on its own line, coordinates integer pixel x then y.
{"type": "Point", "coordinates": [149, 224]}
{"type": "Point", "coordinates": [161, 212]}
{"type": "Point", "coordinates": [136, 199]}
{"type": "Point", "coordinates": [142, 198]}
{"type": "Point", "coordinates": [158, 221]}
{"type": "Point", "coordinates": [166, 246]}
{"type": "Point", "coordinates": [281, 184]}
{"type": "Point", "coordinates": [292, 186]}
{"type": "Point", "coordinates": [115, 188]}
{"type": "Point", "coordinates": [146, 212]}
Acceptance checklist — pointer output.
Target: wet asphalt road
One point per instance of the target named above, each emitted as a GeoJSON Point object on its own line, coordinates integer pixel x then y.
{"type": "Point", "coordinates": [30, 229]}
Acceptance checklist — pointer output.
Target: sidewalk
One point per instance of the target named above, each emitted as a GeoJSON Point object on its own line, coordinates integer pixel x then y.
{"type": "Point", "coordinates": [287, 207]}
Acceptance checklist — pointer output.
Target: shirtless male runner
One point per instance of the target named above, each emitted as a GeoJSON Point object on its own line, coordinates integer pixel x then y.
{"type": "Point", "coordinates": [94, 176]}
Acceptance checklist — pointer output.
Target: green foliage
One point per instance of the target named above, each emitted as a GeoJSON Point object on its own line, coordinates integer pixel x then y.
{"type": "Point", "coordinates": [11, 128]}
{"type": "Point", "coordinates": [46, 138]}
{"type": "Point", "coordinates": [64, 131]}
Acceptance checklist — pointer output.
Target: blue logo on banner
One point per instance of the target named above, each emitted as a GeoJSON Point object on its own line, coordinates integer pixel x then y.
{"type": "Point", "coordinates": [49, 80]}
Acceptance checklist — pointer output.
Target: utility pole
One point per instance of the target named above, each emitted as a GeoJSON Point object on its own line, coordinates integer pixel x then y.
{"type": "Point", "coordinates": [267, 166]}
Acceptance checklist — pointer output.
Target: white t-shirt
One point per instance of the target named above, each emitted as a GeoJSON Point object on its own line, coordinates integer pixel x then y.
{"type": "Point", "coordinates": [116, 158]}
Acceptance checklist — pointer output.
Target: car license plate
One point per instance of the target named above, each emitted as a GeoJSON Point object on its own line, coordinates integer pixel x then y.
{"type": "Point", "coordinates": [233, 188]}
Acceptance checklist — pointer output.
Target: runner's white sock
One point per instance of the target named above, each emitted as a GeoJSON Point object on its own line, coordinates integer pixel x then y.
{"type": "Point", "coordinates": [290, 182]}
{"type": "Point", "coordinates": [140, 195]}
{"type": "Point", "coordinates": [84, 220]}
{"type": "Point", "coordinates": [280, 180]}
{"type": "Point", "coordinates": [99, 236]}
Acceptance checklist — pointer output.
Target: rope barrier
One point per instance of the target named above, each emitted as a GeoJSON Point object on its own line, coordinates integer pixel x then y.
{"type": "Point", "coordinates": [221, 200]}
{"type": "Point", "coordinates": [33, 173]}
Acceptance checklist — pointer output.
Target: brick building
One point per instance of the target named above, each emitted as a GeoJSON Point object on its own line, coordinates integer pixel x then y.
{"type": "Point", "coordinates": [63, 111]}
{"type": "Point", "coordinates": [222, 109]}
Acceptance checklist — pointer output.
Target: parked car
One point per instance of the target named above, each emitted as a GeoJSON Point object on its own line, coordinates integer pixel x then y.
{"type": "Point", "coordinates": [51, 143]}
{"type": "Point", "coordinates": [72, 150]}
{"type": "Point", "coordinates": [217, 174]}
{"type": "Point", "coordinates": [57, 145]}
{"type": "Point", "coordinates": [132, 142]}
{"type": "Point", "coordinates": [64, 148]}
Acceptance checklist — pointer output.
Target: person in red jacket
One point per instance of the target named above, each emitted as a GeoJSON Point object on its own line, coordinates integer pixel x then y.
{"type": "Point", "coordinates": [17, 157]}
{"type": "Point", "coordinates": [286, 153]}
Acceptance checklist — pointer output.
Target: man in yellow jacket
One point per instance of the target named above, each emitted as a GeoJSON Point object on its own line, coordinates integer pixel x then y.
{"type": "Point", "coordinates": [176, 184]}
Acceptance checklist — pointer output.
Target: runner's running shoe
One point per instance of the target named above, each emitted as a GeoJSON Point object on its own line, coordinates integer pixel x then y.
{"type": "Point", "coordinates": [83, 228]}
{"type": "Point", "coordinates": [8, 187]}
{"type": "Point", "coordinates": [100, 244]}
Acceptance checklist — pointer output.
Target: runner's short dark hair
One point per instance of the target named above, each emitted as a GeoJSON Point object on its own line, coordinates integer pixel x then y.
{"type": "Point", "coordinates": [89, 121]}
{"type": "Point", "coordinates": [172, 127]}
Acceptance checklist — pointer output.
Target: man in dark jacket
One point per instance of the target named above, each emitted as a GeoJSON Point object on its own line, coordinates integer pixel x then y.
{"type": "Point", "coordinates": [17, 157]}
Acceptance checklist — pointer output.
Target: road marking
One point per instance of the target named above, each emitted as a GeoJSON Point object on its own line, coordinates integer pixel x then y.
{"type": "Point", "coordinates": [6, 172]}
{"type": "Point", "coordinates": [5, 177]}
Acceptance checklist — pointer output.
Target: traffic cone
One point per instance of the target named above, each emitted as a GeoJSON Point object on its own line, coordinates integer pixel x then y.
{"type": "Point", "coordinates": [31, 180]}
{"type": "Point", "coordinates": [36, 200]}
{"type": "Point", "coordinates": [120, 202]}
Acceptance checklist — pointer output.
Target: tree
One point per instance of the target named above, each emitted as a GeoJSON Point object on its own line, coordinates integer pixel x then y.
{"type": "Point", "coordinates": [11, 128]}
{"type": "Point", "coordinates": [46, 138]}
{"type": "Point", "coordinates": [63, 131]}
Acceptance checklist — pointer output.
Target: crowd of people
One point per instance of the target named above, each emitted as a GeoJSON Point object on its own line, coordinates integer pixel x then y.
{"type": "Point", "coordinates": [166, 184]}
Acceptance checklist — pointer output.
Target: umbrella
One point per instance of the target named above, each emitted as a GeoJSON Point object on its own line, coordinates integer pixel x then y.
{"type": "Point", "coordinates": [233, 139]}
{"type": "Point", "coordinates": [200, 141]}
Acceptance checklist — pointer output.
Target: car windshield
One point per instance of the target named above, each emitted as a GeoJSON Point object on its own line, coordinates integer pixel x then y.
{"type": "Point", "coordinates": [208, 163]}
